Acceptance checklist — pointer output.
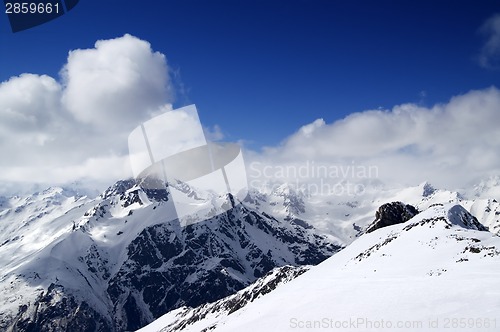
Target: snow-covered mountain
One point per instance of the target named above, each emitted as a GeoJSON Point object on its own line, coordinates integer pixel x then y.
{"type": "Point", "coordinates": [440, 270]}
{"type": "Point", "coordinates": [121, 260]}
{"type": "Point", "coordinates": [28, 224]}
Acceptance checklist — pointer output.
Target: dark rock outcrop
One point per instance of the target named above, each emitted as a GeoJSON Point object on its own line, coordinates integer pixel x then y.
{"type": "Point", "coordinates": [391, 214]}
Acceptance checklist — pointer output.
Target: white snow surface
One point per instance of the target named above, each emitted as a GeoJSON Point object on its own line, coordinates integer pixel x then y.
{"type": "Point", "coordinates": [435, 272]}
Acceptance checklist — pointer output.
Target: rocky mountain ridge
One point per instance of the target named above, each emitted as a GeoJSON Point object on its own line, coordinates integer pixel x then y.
{"type": "Point", "coordinates": [122, 260]}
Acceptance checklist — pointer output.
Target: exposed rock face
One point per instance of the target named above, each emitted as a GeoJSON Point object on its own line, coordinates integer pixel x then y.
{"type": "Point", "coordinates": [464, 219]}
{"type": "Point", "coordinates": [392, 214]}
{"type": "Point", "coordinates": [54, 311]}
{"type": "Point", "coordinates": [427, 189]}
{"type": "Point", "coordinates": [204, 262]}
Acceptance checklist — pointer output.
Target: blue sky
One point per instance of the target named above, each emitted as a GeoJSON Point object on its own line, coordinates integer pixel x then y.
{"type": "Point", "coordinates": [410, 87]}
{"type": "Point", "coordinates": [278, 65]}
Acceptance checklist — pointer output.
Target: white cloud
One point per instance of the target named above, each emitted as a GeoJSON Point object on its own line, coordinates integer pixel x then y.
{"type": "Point", "coordinates": [56, 131]}
{"type": "Point", "coordinates": [309, 129]}
{"type": "Point", "coordinates": [489, 56]}
{"type": "Point", "coordinates": [450, 144]}
{"type": "Point", "coordinates": [214, 133]}
{"type": "Point", "coordinates": [116, 83]}
{"type": "Point", "coordinates": [29, 102]}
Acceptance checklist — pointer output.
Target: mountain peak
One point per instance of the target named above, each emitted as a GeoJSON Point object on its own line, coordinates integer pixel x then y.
{"type": "Point", "coordinates": [449, 215]}
{"type": "Point", "coordinates": [427, 189]}
{"type": "Point", "coordinates": [128, 259]}
{"type": "Point", "coordinates": [459, 216]}
{"type": "Point", "coordinates": [119, 187]}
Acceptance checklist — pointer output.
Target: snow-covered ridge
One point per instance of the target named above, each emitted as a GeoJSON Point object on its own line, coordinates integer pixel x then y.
{"type": "Point", "coordinates": [202, 317]}
{"type": "Point", "coordinates": [438, 266]}
{"type": "Point", "coordinates": [28, 224]}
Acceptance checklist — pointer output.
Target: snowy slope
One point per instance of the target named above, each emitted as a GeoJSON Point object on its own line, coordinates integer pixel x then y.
{"type": "Point", "coordinates": [201, 317]}
{"type": "Point", "coordinates": [437, 271]}
{"type": "Point", "coordinates": [22, 218]}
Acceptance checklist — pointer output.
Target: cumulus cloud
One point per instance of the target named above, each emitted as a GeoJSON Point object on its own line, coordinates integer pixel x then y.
{"type": "Point", "coordinates": [114, 83]}
{"type": "Point", "coordinates": [29, 102]}
{"type": "Point", "coordinates": [489, 56]}
{"type": "Point", "coordinates": [58, 130]}
{"type": "Point", "coordinates": [451, 145]}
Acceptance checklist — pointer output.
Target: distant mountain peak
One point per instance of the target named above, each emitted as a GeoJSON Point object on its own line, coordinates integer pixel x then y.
{"type": "Point", "coordinates": [427, 189]}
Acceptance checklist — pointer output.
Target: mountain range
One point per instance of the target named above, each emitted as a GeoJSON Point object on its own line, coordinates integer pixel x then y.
{"type": "Point", "coordinates": [122, 260]}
